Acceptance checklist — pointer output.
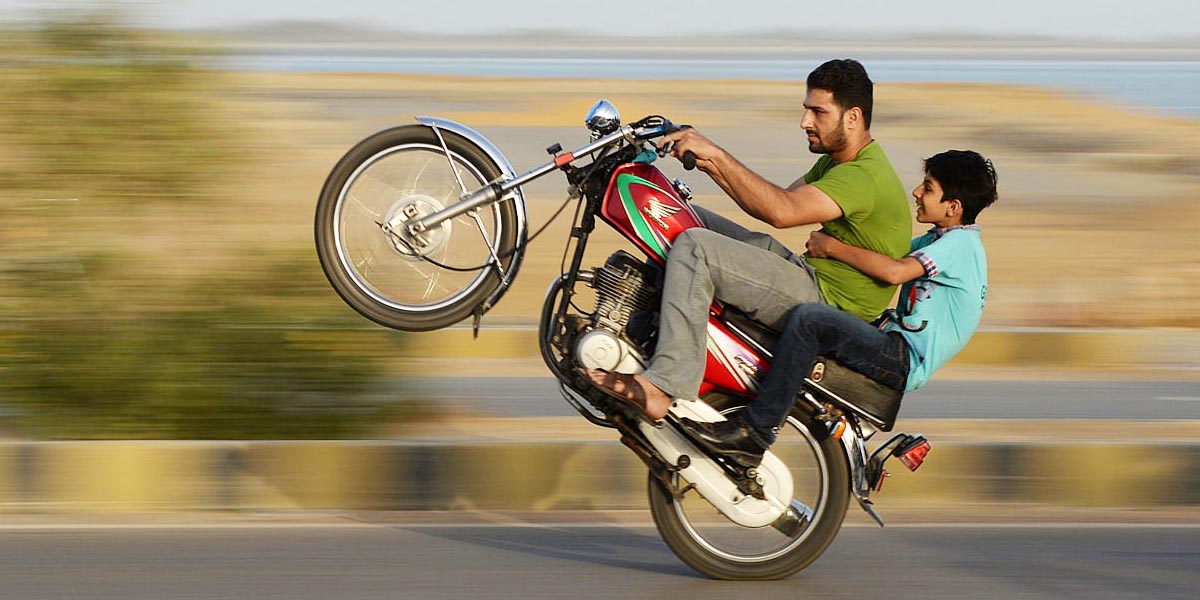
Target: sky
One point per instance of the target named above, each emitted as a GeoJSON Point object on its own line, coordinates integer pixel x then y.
{"type": "Point", "coordinates": [1121, 20]}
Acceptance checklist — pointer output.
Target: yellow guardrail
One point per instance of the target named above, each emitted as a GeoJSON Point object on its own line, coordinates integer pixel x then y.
{"type": "Point", "coordinates": [144, 476]}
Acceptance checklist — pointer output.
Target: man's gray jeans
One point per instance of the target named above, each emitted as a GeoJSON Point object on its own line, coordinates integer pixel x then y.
{"type": "Point", "coordinates": [750, 270]}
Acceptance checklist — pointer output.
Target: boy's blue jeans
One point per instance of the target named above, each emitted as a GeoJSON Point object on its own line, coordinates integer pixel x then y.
{"type": "Point", "coordinates": [822, 330]}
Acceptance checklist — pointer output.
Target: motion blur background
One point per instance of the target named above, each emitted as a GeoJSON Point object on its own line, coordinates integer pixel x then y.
{"type": "Point", "coordinates": [159, 165]}
{"type": "Point", "coordinates": [172, 359]}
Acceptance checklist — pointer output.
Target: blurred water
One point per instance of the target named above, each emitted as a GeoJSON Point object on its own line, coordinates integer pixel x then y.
{"type": "Point", "coordinates": [1172, 86]}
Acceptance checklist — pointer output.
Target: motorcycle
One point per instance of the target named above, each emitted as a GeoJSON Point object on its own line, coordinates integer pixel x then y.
{"type": "Point", "coordinates": [422, 226]}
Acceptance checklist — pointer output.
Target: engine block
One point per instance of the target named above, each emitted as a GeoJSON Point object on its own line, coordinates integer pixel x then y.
{"type": "Point", "coordinates": [617, 339]}
{"type": "Point", "coordinates": [624, 286]}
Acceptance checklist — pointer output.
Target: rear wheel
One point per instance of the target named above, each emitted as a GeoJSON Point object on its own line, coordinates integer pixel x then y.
{"type": "Point", "coordinates": [396, 176]}
{"type": "Point", "coordinates": [707, 541]}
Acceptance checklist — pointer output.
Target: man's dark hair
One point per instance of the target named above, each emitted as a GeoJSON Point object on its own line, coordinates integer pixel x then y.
{"type": "Point", "coordinates": [847, 80]}
{"type": "Point", "coordinates": [967, 176]}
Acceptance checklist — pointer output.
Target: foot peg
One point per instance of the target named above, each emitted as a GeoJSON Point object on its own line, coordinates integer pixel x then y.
{"type": "Point", "coordinates": [910, 449]}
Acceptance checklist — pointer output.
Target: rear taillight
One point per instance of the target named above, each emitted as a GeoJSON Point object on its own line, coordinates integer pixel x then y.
{"type": "Point", "coordinates": [914, 455]}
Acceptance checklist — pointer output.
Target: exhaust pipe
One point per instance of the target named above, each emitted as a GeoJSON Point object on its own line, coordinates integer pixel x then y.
{"type": "Point", "coordinates": [794, 520]}
{"type": "Point", "coordinates": [716, 487]}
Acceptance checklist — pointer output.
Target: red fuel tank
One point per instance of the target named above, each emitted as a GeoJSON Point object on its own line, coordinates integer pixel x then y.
{"type": "Point", "coordinates": [644, 206]}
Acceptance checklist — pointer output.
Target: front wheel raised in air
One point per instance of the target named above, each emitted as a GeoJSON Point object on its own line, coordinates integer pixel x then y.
{"type": "Point", "coordinates": [389, 179]}
{"type": "Point", "coordinates": [719, 548]}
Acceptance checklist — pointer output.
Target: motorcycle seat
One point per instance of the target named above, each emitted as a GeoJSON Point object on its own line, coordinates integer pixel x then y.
{"type": "Point", "coordinates": [852, 390]}
{"type": "Point", "coordinates": [829, 380]}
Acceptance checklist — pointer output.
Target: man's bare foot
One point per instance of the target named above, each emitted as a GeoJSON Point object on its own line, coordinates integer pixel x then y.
{"type": "Point", "coordinates": [634, 389]}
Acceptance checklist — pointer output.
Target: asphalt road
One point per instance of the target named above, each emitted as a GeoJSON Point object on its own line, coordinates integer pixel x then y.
{"type": "Point", "coordinates": [601, 561]}
{"type": "Point", "coordinates": [539, 396]}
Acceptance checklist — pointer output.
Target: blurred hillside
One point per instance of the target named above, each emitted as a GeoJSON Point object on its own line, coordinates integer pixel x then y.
{"type": "Point", "coordinates": [127, 310]}
{"type": "Point", "coordinates": [830, 39]}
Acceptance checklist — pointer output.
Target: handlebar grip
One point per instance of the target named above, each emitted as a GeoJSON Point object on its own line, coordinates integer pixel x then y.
{"type": "Point", "coordinates": [688, 160]}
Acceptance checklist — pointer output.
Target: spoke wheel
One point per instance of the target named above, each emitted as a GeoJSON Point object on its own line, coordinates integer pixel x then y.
{"type": "Point", "coordinates": [423, 282]}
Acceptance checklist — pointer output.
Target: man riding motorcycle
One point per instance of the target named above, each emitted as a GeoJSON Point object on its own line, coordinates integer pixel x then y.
{"type": "Point", "coordinates": [853, 191]}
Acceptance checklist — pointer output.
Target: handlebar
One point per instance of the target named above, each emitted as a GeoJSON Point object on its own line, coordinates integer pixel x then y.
{"type": "Point", "coordinates": [688, 160]}
{"type": "Point", "coordinates": [666, 127]}
{"type": "Point", "coordinates": [647, 129]}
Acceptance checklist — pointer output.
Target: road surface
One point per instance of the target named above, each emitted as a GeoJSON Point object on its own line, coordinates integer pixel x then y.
{"type": "Point", "coordinates": [580, 561]}
{"type": "Point", "coordinates": [539, 397]}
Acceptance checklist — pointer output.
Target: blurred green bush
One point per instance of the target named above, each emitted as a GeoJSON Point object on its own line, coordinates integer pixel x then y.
{"type": "Point", "coordinates": [88, 354]}
{"type": "Point", "coordinates": [104, 128]}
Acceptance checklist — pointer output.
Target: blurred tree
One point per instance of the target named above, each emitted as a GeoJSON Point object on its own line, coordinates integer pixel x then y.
{"type": "Point", "coordinates": [104, 130]}
{"type": "Point", "coordinates": [103, 111]}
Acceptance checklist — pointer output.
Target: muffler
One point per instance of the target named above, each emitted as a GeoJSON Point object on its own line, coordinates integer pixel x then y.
{"type": "Point", "coordinates": [777, 509]}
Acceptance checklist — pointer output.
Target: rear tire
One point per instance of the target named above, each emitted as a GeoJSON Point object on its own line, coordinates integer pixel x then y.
{"type": "Point", "coordinates": [721, 549]}
{"type": "Point", "coordinates": [404, 173]}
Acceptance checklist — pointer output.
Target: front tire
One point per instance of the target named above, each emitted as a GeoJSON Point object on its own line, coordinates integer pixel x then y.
{"type": "Point", "coordinates": [715, 546]}
{"type": "Point", "coordinates": [404, 173]}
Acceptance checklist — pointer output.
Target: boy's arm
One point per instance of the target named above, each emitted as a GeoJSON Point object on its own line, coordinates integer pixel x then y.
{"type": "Point", "coordinates": [877, 266]}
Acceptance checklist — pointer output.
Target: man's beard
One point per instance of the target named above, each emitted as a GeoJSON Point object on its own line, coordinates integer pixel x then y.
{"type": "Point", "coordinates": [836, 142]}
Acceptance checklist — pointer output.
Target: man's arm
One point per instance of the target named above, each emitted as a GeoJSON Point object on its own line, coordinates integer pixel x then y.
{"type": "Point", "coordinates": [877, 266]}
{"type": "Point", "coordinates": [798, 204]}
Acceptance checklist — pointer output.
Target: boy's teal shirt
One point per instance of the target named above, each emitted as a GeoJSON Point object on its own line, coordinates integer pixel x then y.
{"type": "Point", "coordinates": [938, 312]}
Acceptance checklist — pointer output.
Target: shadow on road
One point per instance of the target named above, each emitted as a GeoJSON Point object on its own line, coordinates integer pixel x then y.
{"type": "Point", "coordinates": [613, 547]}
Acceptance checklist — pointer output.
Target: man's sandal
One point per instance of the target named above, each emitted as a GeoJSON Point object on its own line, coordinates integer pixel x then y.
{"type": "Point", "coordinates": [632, 392]}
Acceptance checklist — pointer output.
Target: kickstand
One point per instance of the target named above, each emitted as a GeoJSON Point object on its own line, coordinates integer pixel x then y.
{"type": "Point", "coordinates": [477, 317]}
{"type": "Point", "coordinates": [868, 506]}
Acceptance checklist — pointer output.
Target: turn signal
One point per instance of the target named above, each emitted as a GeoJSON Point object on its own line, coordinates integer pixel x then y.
{"type": "Point", "coordinates": [837, 429]}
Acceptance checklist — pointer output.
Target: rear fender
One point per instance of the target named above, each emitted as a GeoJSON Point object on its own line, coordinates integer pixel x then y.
{"type": "Point", "coordinates": [854, 442]}
{"type": "Point", "coordinates": [853, 439]}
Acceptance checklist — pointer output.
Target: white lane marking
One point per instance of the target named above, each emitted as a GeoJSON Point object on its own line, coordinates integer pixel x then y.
{"type": "Point", "coordinates": [1179, 398]}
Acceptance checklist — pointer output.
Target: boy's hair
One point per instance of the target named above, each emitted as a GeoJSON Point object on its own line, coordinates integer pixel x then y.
{"type": "Point", "coordinates": [847, 80]}
{"type": "Point", "coordinates": [966, 176]}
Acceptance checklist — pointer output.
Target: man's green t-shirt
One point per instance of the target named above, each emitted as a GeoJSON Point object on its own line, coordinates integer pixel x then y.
{"type": "Point", "coordinates": [874, 216]}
